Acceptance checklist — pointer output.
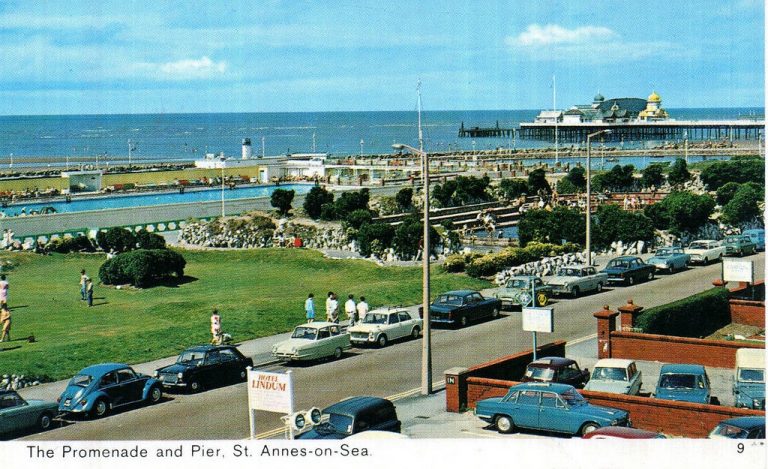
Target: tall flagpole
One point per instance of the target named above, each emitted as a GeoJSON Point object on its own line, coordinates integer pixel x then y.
{"type": "Point", "coordinates": [554, 108]}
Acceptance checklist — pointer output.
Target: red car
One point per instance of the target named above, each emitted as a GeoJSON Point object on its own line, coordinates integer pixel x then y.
{"type": "Point", "coordinates": [623, 433]}
{"type": "Point", "coordinates": [556, 370]}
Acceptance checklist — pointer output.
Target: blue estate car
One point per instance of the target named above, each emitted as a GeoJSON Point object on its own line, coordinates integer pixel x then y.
{"type": "Point", "coordinates": [628, 270]}
{"type": "Point", "coordinates": [97, 389]}
{"type": "Point", "coordinates": [757, 236]}
{"type": "Point", "coordinates": [687, 383]}
{"type": "Point", "coordinates": [670, 259]}
{"type": "Point", "coordinates": [548, 406]}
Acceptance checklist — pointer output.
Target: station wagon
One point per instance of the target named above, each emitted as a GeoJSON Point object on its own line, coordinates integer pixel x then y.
{"type": "Point", "coordinates": [312, 341]}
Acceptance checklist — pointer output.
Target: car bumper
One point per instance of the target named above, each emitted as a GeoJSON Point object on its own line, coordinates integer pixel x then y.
{"type": "Point", "coordinates": [442, 320]}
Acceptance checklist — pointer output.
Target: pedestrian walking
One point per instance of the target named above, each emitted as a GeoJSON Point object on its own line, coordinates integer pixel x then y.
{"type": "Point", "coordinates": [216, 327]}
{"type": "Point", "coordinates": [83, 281]}
{"type": "Point", "coordinates": [309, 307]}
{"type": "Point", "coordinates": [334, 308]}
{"type": "Point", "coordinates": [328, 301]}
{"type": "Point", "coordinates": [362, 309]}
{"type": "Point", "coordinates": [351, 309]}
{"type": "Point", "coordinates": [89, 292]}
{"type": "Point", "coordinates": [5, 322]}
{"type": "Point", "coordinates": [3, 291]}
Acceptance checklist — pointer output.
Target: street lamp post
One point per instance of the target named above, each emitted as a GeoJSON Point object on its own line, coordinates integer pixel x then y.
{"type": "Point", "coordinates": [589, 192]}
{"type": "Point", "coordinates": [223, 163]}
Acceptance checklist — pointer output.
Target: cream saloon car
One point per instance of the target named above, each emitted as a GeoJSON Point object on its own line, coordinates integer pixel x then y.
{"type": "Point", "coordinates": [382, 326]}
{"type": "Point", "coordinates": [312, 341]}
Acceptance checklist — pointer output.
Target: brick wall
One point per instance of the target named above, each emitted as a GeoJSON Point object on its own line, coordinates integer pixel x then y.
{"type": "Point", "coordinates": [750, 312]}
{"type": "Point", "coordinates": [670, 349]}
{"type": "Point", "coordinates": [668, 417]}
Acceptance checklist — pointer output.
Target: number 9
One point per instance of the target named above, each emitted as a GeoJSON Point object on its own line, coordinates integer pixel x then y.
{"type": "Point", "coordinates": [740, 448]}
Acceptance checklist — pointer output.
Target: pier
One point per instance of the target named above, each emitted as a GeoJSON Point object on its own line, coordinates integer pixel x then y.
{"type": "Point", "coordinates": [741, 129]}
{"type": "Point", "coordinates": [478, 132]}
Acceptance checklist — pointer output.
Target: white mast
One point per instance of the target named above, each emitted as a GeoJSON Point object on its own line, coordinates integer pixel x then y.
{"type": "Point", "coordinates": [554, 108]}
{"type": "Point", "coordinates": [314, 147]}
{"type": "Point", "coordinates": [262, 147]}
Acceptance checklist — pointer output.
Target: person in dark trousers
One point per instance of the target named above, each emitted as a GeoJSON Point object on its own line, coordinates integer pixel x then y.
{"type": "Point", "coordinates": [89, 291]}
{"type": "Point", "coordinates": [83, 281]}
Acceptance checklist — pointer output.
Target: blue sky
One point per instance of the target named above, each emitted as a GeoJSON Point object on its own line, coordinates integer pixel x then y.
{"type": "Point", "coordinates": [126, 56]}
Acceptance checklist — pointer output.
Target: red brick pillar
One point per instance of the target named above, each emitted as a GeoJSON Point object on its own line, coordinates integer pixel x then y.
{"type": "Point", "coordinates": [456, 389]}
{"type": "Point", "coordinates": [606, 323]}
{"type": "Point", "coordinates": [719, 283]}
{"type": "Point", "coordinates": [628, 314]}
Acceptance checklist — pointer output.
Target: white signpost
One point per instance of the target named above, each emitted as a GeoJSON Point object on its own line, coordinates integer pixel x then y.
{"type": "Point", "coordinates": [538, 320]}
{"type": "Point", "coordinates": [738, 271]}
{"type": "Point", "coordinates": [272, 392]}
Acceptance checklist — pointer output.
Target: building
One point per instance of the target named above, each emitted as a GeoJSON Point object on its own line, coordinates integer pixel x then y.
{"type": "Point", "coordinates": [653, 110]}
{"type": "Point", "coordinates": [614, 110]}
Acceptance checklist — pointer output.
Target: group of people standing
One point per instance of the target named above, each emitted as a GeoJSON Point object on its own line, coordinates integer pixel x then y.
{"type": "Point", "coordinates": [355, 311]}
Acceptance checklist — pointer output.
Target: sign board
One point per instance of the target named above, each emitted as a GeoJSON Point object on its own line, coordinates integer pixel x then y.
{"type": "Point", "coordinates": [738, 271]}
{"type": "Point", "coordinates": [272, 392]}
{"type": "Point", "coordinates": [539, 319]}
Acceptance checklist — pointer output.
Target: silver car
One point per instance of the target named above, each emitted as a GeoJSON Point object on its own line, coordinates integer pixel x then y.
{"type": "Point", "coordinates": [574, 280]}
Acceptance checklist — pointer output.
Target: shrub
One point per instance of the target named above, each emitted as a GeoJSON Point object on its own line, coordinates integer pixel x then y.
{"type": "Point", "coordinates": [143, 268]}
{"type": "Point", "coordinates": [374, 238]}
{"type": "Point", "coordinates": [678, 173]}
{"type": "Point", "coordinates": [484, 266]}
{"type": "Point", "coordinates": [513, 188]}
{"type": "Point", "coordinates": [653, 175]}
{"type": "Point", "coordinates": [681, 211]}
{"type": "Point", "coordinates": [116, 239]}
{"type": "Point", "coordinates": [404, 199]}
{"type": "Point", "coordinates": [458, 262]}
{"type": "Point", "coordinates": [281, 199]}
{"type": "Point", "coordinates": [743, 206]}
{"type": "Point", "coordinates": [696, 316]}
{"type": "Point", "coordinates": [358, 218]}
{"type": "Point", "coordinates": [726, 192]}
{"type": "Point", "coordinates": [489, 264]}
{"type": "Point", "coordinates": [314, 201]}
{"type": "Point", "coordinates": [147, 240]}
{"type": "Point", "coordinates": [611, 223]}
{"type": "Point", "coordinates": [77, 244]}
{"type": "Point", "coordinates": [741, 170]}
{"type": "Point", "coordinates": [537, 182]}
{"type": "Point", "coordinates": [408, 236]}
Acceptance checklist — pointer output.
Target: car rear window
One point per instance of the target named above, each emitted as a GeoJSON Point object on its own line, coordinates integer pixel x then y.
{"type": "Point", "coordinates": [541, 374]}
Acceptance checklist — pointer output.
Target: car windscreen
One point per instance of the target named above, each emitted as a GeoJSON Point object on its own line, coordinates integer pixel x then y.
{"type": "Point", "coordinates": [751, 375]}
{"type": "Point", "coordinates": [610, 373]}
{"type": "Point", "coordinates": [81, 380]}
{"type": "Point", "coordinates": [189, 356]}
{"type": "Point", "coordinates": [569, 272]}
{"type": "Point", "coordinates": [729, 431]}
{"type": "Point", "coordinates": [540, 374]}
{"type": "Point", "coordinates": [698, 246]}
{"type": "Point", "coordinates": [663, 252]}
{"type": "Point", "coordinates": [375, 318]}
{"type": "Point", "coordinates": [454, 300]}
{"type": "Point", "coordinates": [308, 333]}
{"type": "Point", "coordinates": [517, 283]}
{"type": "Point", "coordinates": [677, 381]}
{"type": "Point", "coordinates": [342, 423]}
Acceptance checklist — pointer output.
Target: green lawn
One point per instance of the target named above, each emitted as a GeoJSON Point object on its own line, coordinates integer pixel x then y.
{"type": "Point", "coordinates": [258, 292]}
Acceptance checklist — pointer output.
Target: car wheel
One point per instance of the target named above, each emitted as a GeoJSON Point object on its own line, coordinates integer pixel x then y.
{"type": "Point", "coordinates": [589, 427]}
{"type": "Point", "coordinates": [672, 268]}
{"type": "Point", "coordinates": [338, 352]}
{"type": "Point", "coordinates": [575, 292]}
{"type": "Point", "coordinates": [631, 280]}
{"type": "Point", "coordinates": [382, 341]}
{"type": "Point", "coordinates": [195, 386]}
{"type": "Point", "coordinates": [495, 313]}
{"type": "Point", "coordinates": [599, 287]}
{"type": "Point", "coordinates": [100, 409]}
{"type": "Point", "coordinates": [706, 261]}
{"type": "Point", "coordinates": [650, 276]}
{"type": "Point", "coordinates": [45, 421]}
{"type": "Point", "coordinates": [155, 394]}
{"type": "Point", "coordinates": [415, 333]}
{"type": "Point", "coordinates": [463, 321]}
{"type": "Point", "coordinates": [504, 424]}
{"type": "Point", "coordinates": [243, 375]}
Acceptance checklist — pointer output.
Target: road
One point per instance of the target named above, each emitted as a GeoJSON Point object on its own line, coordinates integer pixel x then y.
{"type": "Point", "coordinates": [221, 413]}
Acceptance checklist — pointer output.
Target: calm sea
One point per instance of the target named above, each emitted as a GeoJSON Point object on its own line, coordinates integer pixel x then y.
{"type": "Point", "coordinates": [174, 137]}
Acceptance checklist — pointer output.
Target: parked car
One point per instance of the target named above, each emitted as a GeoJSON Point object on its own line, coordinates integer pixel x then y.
{"type": "Point", "coordinates": [547, 406]}
{"type": "Point", "coordinates": [757, 236]}
{"type": "Point", "coordinates": [556, 370]}
{"type": "Point", "coordinates": [687, 383]}
{"type": "Point", "coordinates": [739, 245]}
{"type": "Point", "coordinates": [460, 307]}
{"type": "Point", "coordinates": [17, 414]}
{"type": "Point", "coordinates": [381, 326]}
{"type": "Point", "coordinates": [577, 279]}
{"type": "Point", "coordinates": [615, 375]}
{"type": "Point", "coordinates": [628, 270]}
{"type": "Point", "coordinates": [705, 251]}
{"type": "Point", "coordinates": [749, 378]}
{"type": "Point", "coordinates": [95, 390]}
{"type": "Point", "coordinates": [623, 433]}
{"type": "Point", "coordinates": [354, 415]}
{"type": "Point", "coordinates": [518, 291]}
{"type": "Point", "coordinates": [312, 341]}
{"type": "Point", "coordinates": [670, 259]}
{"type": "Point", "coordinates": [205, 366]}
{"type": "Point", "coordinates": [742, 428]}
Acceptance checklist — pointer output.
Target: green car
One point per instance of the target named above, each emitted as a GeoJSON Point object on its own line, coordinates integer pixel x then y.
{"type": "Point", "coordinates": [739, 245]}
{"type": "Point", "coordinates": [517, 291]}
{"type": "Point", "coordinates": [17, 414]}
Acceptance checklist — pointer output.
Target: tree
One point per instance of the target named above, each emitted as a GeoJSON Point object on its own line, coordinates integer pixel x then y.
{"type": "Point", "coordinates": [404, 199]}
{"type": "Point", "coordinates": [612, 223]}
{"type": "Point", "coordinates": [462, 191]}
{"type": "Point", "coordinates": [546, 226]}
{"type": "Point", "coordinates": [619, 178]}
{"type": "Point", "coordinates": [678, 173]}
{"type": "Point", "coordinates": [282, 199]}
{"type": "Point", "coordinates": [513, 188]}
{"type": "Point", "coordinates": [409, 235]}
{"type": "Point", "coordinates": [726, 192]}
{"type": "Point", "coordinates": [443, 193]}
{"type": "Point", "coordinates": [358, 218]}
{"type": "Point", "coordinates": [143, 268]}
{"type": "Point", "coordinates": [348, 202]}
{"type": "Point", "coordinates": [537, 182]}
{"type": "Point", "coordinates": [740, 169]}
{"type": "Point", "coordinates": [374, 238]}
{"type": "Point", "coordinates": [577, 177]}
{"type": "Point", "coordinates": [681, 211]}
{"type": "Point", "coordinates": [743, 207]}
{"type": "Point", "coordinates": [116, 239]}
{"type": "Point", "coordinates": [653, 175]}
{"type": "Point", "coordinates": [315, 200]}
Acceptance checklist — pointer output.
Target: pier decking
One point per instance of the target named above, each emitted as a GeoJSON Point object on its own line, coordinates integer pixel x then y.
{"type": "Point", "coordinates": [741, 129]}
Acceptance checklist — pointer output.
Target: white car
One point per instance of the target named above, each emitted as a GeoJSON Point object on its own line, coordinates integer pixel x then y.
{"type": "Point", "coordinates": [383, 325]}
{"type": "Point", "coordinates": [574, 280]}
{"type": "Point", "coordinates": [312, 341]}
{"type": "Point", "coordinates": [704, 251]}
{"type": "Point", "coordinates": [615, 375]}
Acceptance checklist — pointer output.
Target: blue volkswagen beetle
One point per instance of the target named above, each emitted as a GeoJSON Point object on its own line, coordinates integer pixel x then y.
{"type": "Point", "coordinates": [550, 407]}
{"type": "Point", "coordinates": [97, 389]}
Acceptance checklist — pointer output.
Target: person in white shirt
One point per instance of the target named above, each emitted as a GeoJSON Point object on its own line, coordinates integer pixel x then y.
{"type": "Point", "coordinates": [334, 308]}
{"type": "Point", "coordinates": [362, 309]}
{"type": "Point", "coordinates": [351, 309]}
{"type": "Point", "coordinates": [328, 306]}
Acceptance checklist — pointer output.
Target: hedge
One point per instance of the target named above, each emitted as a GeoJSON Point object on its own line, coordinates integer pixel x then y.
{"type": "Point", "coordinates": [143, 268]}
{"type": "Point", "coordinates": [697, 316]}
{"type": "Point", "coordinates": [490, 264]}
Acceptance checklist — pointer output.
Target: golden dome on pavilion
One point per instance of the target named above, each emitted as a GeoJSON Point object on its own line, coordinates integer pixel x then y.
{"type": "Point", "coordinates": [654, 98]}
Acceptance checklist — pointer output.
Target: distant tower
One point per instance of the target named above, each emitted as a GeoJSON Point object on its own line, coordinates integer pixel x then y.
{"type": "Point", "coordinates": [247, 151]}
{"type": "Point", "coordinates": [653, 109]}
